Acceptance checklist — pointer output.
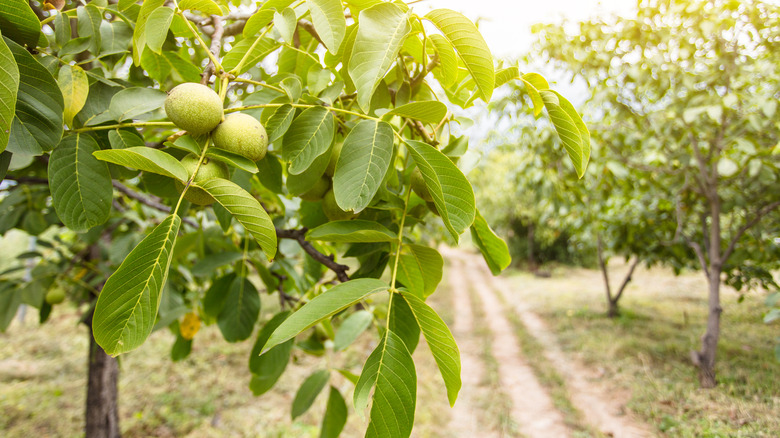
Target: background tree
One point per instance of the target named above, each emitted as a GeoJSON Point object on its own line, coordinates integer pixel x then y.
{"type": "Point", "coordinates": [152, 219]}
{"type": "Point", "coordinates": [687, 95]}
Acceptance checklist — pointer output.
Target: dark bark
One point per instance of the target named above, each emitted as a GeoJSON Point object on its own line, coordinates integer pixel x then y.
{"type": "Point", "coordinates": [102, 413]}
{"type": "Point", "coordinates": [531, 259]}
{"type": "Point", "coordinates": [613, 309]}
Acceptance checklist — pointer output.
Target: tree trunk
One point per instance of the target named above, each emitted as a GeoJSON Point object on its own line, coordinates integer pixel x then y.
{"type": "Point", "coordinates": [705, 359]}
{"type": "Point", "coordinates": [613, 311]}
{"type": "Point", "coordinates": [531, 262]}
{"type": "Point", "coordinates": [102, 413]}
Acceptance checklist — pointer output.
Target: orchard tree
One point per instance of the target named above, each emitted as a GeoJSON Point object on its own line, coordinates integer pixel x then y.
{"type": "Point", "coordinates": [687, 95]}
{"type": "Point", "coordinates": [174, 155]}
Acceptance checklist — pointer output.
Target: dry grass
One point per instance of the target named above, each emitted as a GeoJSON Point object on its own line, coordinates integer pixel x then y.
{"type": "Point", "coordinates": [43, 378]}
{"type": "Point", "coordinates": [646, 350]}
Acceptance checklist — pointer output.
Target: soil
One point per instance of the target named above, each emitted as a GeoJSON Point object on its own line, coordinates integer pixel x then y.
{"type": "Point", "coordinates": [602, 407]}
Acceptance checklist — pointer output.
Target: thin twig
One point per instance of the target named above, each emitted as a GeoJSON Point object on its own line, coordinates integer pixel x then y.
{"type": "Point", "coordinates": [149, 201]}
{"type": "Point", "coordinates": [299, 235]}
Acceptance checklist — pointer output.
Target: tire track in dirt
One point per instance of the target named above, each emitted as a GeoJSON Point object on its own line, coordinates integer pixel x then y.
{"type": "Point", "coordinates": [464, 421]}
{"type": "Point", "coordinates": [600, 407]}
{"type": "Point", "coordinates": [532, 408]}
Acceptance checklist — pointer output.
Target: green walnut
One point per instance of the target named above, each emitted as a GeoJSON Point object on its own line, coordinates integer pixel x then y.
{"type": "Point", "coordinates": [194, 108]}
{"type": "Point", "coordinates": [55, 295]}
{"type": "Point", "coordinates": [334, 158]}
{"type": "Point", "coordinates": [209, 169]}
{"type": "Point", "coordinates": [419, 187]}
{"type": "Point", "coordinates": [242, 134]}
{"type": "Point", "coordinates": [318, 191]}
{"type": "Point", "coordinates": [332, 209]}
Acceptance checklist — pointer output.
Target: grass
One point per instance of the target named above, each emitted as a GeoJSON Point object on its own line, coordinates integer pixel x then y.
{"type": "Point", "coordinates": [646, 349]}
{"type": "Point", "coordinates": [43, 378]}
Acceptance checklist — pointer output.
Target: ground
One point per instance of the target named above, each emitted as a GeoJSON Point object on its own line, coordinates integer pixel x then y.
{"type": "Point", "coordinates": [539, 359]}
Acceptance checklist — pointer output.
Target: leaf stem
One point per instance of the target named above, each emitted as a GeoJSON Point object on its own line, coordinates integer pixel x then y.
{"type": "Point", "coordinates": [217, 66]}
{"type": "Point", "coordinates": [195, 172]}
{"type": "Point", "coordinates": [400, 240]}
{"type": "Point", "coordinates": [119, 125]}
{"type": "Point", "coordinates": [251, 49]}
{"type": "Point", "coordinates": [258, 83]}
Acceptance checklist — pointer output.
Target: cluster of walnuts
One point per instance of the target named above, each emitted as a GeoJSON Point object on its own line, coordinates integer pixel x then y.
{"type": "Point", "coordinates": [197, 109]}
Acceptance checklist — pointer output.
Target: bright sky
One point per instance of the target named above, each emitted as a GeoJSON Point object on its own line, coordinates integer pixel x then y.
{"type": "Point", "coordinates": [506, 24]}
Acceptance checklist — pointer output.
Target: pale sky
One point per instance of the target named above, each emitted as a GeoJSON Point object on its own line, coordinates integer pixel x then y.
{"type": "Point", "coordinates": [506, 24]}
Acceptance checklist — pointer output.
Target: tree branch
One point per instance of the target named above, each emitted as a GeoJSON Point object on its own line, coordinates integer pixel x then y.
{"type": "Point", "coordinates": [151, 201]}
{"type": "Point", "coordinates": [699, 254]}
{"type": "Point", "coordinates": [627, 279]}
{"type": "Point", "coordinates": [215, 48]}
{"type": "Point", "coordinates": [763, 211]}
{"type": "Point", "coordinates": [328, 261]}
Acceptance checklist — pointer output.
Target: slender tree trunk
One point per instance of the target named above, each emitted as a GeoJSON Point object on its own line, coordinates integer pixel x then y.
{"type": "Point", "coordinates": [531, 259]}
{"type": "Point", "coordinates": [612, 305]}
{"type": "Point", "coordinates": [705, 358]}
{"type": "Point", "coordinates": [102, 413]}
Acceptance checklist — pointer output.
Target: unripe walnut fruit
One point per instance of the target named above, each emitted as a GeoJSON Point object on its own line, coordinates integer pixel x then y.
{"type": "Point", "coordinates": [55, 295]}
{"type": "Point", "coordinates": [334, 158]}
{"type": "Point", "coordinates": [318, 190]}
{"type": "Point", "coordinates": [209, 169]}
{"type": "Point", "coordinates": [332, 209]}
{"type": "Point", "coordinates": [419, 187]}
{"type": "Point", "coordinates": [242, 134]}
{"type": "Point", "coordinates": [194, 108]}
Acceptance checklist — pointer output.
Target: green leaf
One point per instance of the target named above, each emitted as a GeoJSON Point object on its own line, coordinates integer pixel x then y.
{"type": "Point", "coordinates": [448, 60]}
{"type": "Point", "coordinates": [325, 305]}
{"type": "Point", "coordinates": [208, 7]}
{"type": "Point", "coordinates": [235, 160]}
{"type": "Point", "coordinates": [451, 191]}
{"type": "Point", "coordinates": [329, 22]}
{"type": "Point", "coordinates": [146, 159]}
{"type": "Point", "coordinates": [279, 122]}
{"type": "Point", "coordinates": [89, 19]}
{"type": "Point", "coordinates": [492, 247]}
{"type": "Point", "coordinates": [139, 33]}
{"type": "Point", "coordinates": [62, 29]}
{"type": "Point", "coordinates": [37, 124]}
{"type": "Point", "coordinates": [268, 367]}
{"type": "Point", "coordinates": [19, 23]}
{"type": "Point", "coordinates": [381, 32]}
{"type": "Point", "coordinates": [440, 341]}
{"type": "Point", "coordinates": [352, 231]}
{"type": "Point", "coordinates": [298, 184]}
{"type": "Point", "coordinates": [216, 295]}
{"type": "Point", "coordinates": [10, 299]}
{"type": "Point", "coordinates": [430, 111]}
{"type": "Point", "coordinates": [310, 136]}
{"type": "Point", "coordinates": [531, 81]}
{"type": "Point", "coordinates": [470, 45]}
{"type": "Point", "coordinates": [157, 26]}
{"type": "Point", "coordinates": [505, 75]}
{"type": "Point", "coordinates": [420, 269]}
{"type": "Point", "coordinates": [74, 86]}
{"type": "Point", "coordinates": [181, 348]}
{"type": "Point", "coordinates": [308, 392]}
{"type": "Point", "coordinates": [241, 49]}
{"type": "Point", "coordinates": [335, 415]}
{"type": "Point", "coordinates": [5, 161]}
{"type": "Point", "coordinates": [286, 22]}
{"type": "Point", "coordinates": [206, 266]}
{"type": "Point", "coordinates": [403, 322]}
{"type": "Point", "coordinates": [247, 211]}
{"type": "Point", "coordinates": [123, 139]}
{"type": "Point", "coordinates": [363, 163]}
{"type": "Point", "coordinates": [237, 319]}
{"type": "Point", "coordinates": [80, 184]}
{"type": "Point", "coordinates": [263, 16]}
{"type": "Point", "coordinates": [390, 368]}
{"type": "Point", "coordinates": [352, 327]}
{"type": "Point", "coordinates": [127, 306]}
{"type": "Point", "coordinates": [570, 130]}
{"type": "Point", "coordinates": [9, 85]}
{"type": "Point", "coordinates": [130, 103]}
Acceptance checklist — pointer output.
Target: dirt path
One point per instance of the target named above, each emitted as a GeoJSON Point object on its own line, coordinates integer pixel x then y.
{"type": "Point", "coordinates": [464, 421]}
{"type": "Point", "coordinates": [602, 407]}
{"type": "Point", "coordinates": [532, 410]}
